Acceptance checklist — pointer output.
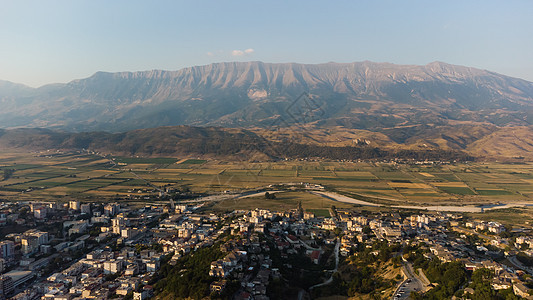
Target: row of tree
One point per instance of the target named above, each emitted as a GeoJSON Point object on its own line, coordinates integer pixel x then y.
{"type": "Point", "coordinates": [173, 141]}
{"type": "Point", "coordinates": [248, 147]}
{"type": "Point", "coordinates": [8, 173]}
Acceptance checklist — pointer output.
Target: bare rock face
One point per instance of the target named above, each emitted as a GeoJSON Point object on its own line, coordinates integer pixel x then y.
{"type": "Point", "coordinates": [361, 95]}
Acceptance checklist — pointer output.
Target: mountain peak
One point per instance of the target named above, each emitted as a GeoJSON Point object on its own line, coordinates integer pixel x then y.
{"type": "Point", "coordinates": [438, 64]}
{"type": "Point", "coordinates": [9, 89]}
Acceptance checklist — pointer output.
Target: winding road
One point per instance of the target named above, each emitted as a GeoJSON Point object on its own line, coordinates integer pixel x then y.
{"type": "Point", "coordinates": [411, 284]}
{"type": "Point", "coordinates": [342, 198]}
{"type": "Point", "coordinates": [330, 279]}
{"type": "Point", "coordinates": [450, 208]}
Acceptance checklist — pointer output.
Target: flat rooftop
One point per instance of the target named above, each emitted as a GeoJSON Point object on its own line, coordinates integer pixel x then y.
{"type": "Point", "coordinates": [17, 274]}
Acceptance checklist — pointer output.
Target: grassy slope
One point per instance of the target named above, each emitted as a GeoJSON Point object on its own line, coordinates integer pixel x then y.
{"type": "Point", "coordinates": [506, 142]}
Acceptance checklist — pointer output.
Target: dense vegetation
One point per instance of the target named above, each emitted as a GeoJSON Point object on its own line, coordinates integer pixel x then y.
{"type": "Point", "coordinates": [525, 259]}
{"type": "Point", "coordinates": [281, 150]}
{"type": "Point", "coordinates": [449, 276]}
{"type": "Point", "coordinates": [451, 279]}
{"type": "Point", "coordinates": [297, 270]}
{"type": "Point", "coordinates": [361, 273]}
{"type": "Point", "coordinates": [189, 278]}
{"type": "Point", "coordinates": [480, 283]}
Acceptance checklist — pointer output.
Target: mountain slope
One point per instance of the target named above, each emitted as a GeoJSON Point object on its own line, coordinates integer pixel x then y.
{"type": "Point", "coordinates": [361, 95]}
{"type": "Point", "coordinates": [505, 142]}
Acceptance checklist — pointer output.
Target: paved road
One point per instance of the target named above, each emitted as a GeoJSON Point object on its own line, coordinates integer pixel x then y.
{"type": "Point", "coordinates": [406, 288]}
{"type": "Point", "coordinates": [308, 247]}
{"type": "Point", "coordinates": [342, 198]}
{"type": "Point", "coordinates": [219, 197]}
{"type": "Point", "coordinates": [412, 283]}
{"type": "Point", "coordinates": [465, 208]}
{"type": "Point", "coordinates": [241, 196]}
{"type": "Point", "coordinates": [346, 199]}
{"type": "Point", "coordinates": [330, 280]}
{"type": "Point", "coordinates": [519, 265]}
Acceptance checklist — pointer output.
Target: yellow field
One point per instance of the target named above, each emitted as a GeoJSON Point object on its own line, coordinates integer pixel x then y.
{"type": "Point", "coordinates": [409, 185]}
{"type": "Point", "coordinates": [426, 174]}
{"type": "Point", "coordinates": [355, 174]}
{"type": "Point", "coordinates": [95, 173]}
{"type": "Point", "coordinates": [96, 162]}
{"type": "Point", "coordinates": [450, 184]}
{"type": "Point", "coordinates": [58, 190]}
{"type": "Point", "coordinates": [137, 167]}
{"type": "Point", "coordinates": [203, 171]}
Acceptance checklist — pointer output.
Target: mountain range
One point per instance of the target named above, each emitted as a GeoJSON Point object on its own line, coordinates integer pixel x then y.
{"type": "Point", "coordinates": [363, 95]}
{"type": "Point", "coordinates": [435, 106]}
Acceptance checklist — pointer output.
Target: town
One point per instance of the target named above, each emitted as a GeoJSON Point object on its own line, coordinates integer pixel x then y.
{"type": "Point", "coordinates": [77, 250]}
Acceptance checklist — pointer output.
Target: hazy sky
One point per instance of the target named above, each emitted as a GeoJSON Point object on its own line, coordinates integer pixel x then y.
{"type": "Point", "coordinates": [57, 41]}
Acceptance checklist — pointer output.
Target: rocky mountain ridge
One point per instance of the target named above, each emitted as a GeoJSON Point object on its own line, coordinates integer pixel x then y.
{"type": "Point", "coordinates": [362, 95]}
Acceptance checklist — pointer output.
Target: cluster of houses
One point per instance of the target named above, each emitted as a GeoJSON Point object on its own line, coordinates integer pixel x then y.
{"type": "Point", "coordinates": [493, 227]}
{"type": "Point", "coordinates": [246, 260]}
{"type": "Point", "coordinates": [25, 257]}
{"type": "Point", "coordinates": [444, 236]}
{"type": "Point", "coordinates": [524, 242]}
{"type": "Point", "coordinates": [109, 250]}
{"type": "Point", "coordinates": [96, 276]}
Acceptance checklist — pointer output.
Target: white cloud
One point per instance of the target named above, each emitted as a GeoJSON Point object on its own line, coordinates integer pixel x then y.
{"type": "Point", "coordinates": [242, 52]}
{"type": "Point", "coordinates": [210, 54]}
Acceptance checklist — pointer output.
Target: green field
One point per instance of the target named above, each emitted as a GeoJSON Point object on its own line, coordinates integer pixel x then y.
{"type": "Point", "coordinates": [284, 201]}
{"type": "Point", "coordinates": [493, 192]}
{"type": "Point", "coordinates": [193, 162]}
{"type": "Point", "coordinates": [140, 160]}
{"type": "Point", "coordinates": [509, 216]}
{"type": "Point", "coordinates": [457, 190]}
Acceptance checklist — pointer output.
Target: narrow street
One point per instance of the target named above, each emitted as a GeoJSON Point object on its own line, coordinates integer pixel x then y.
{"type": "Point", "coordinates": [330, 280]}
{"type": "Point", "coordinates": [519, 265]}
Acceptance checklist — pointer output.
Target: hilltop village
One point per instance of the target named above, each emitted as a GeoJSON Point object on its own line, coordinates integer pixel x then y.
{"type": "Point", "coordinates": [76, 250]}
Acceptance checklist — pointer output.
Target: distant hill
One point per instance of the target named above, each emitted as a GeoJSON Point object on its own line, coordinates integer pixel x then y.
{"type": "Point", "coordinates": [505, 142]}
{"type": "Point", "coordinates": [363, 95]}
{"type": "Point", "coordinates": [233, 144]}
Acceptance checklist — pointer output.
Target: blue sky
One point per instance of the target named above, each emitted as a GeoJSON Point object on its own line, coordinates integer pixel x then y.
{"type": "Point", "coordinates": [57, 41]}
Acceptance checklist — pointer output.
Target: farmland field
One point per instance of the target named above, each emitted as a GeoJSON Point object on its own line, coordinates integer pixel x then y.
{"type": "Point", "coordinates": [140, 160]}
{"type": "Point", "coordinates": [52, 176]}
{"type": "Point", "coordinates": [457, 190]}
{"type": "Point", "coordinates": [283, 201]}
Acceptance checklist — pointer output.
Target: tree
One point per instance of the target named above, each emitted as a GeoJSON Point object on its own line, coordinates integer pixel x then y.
{"type": "Point", "coordinates": [367, 230]}
{"type": "Point", "coordinates": [269, 195]}
{"type": "Point", "coordinates": [189, 278]}
{"type": "Point", "coordinates": [525, 259]}
{"type": "Point", "coordinates": [8, 173]}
